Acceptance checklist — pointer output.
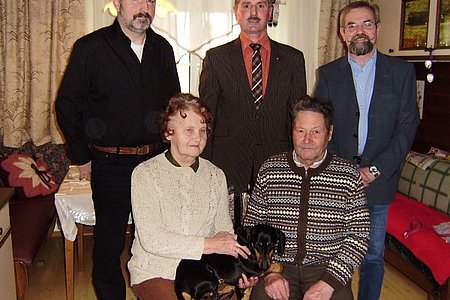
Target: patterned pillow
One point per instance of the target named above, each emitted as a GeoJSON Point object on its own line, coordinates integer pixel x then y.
{"type": "Point", "coordinates": [29, 175]}
{"type": "Point", "coordinates": [431, 186]}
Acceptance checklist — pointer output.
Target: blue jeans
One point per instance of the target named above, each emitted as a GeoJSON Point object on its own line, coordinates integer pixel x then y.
{"type": "Point", "coordinates": [371, 271]}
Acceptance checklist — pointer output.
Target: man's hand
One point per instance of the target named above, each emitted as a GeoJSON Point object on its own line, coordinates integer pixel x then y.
{"type": "Point", "coordinates": [85, 171]}
{"type": "Point", "coordinates": [276, 286]}
{"type": "Point", "coordinates": [367, 177]}
{"type": "Point", "coordinates": [319, 291]}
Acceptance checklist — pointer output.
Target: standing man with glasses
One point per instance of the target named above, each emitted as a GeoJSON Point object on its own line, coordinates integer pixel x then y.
{"type": "Point", "coordinates": [249, 85]}
{"type": "Point", "coordinates": [116, 83]}
{"type": "Point", "coordinates": [375, 121]}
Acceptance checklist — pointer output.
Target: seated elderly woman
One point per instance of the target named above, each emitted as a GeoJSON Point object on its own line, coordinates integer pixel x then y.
{"type": "Point", "coordinates": [179, 202]}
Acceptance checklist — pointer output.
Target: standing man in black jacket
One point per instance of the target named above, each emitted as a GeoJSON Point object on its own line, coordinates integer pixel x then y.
{"type": "Point", "coordinates": [117, 81]}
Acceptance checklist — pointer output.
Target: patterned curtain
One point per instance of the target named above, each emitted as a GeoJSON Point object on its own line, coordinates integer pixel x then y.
{"type": "Point", "coordinates": [330, 44]}
{"type": "Point", "coordinates": [35, 42]}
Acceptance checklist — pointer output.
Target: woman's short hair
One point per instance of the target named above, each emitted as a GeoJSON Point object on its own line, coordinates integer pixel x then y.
{"type": "Point", "coordinates": [308, 103]}
{"type": "Point", "coordinates": [180, 103]}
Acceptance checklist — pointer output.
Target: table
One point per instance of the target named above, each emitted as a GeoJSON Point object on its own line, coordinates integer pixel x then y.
{"type": "Point", "coordinates": [75, 209]}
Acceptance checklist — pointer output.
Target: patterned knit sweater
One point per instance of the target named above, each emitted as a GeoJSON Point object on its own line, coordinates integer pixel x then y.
{"type": "Point", "coordinates": [322, 211]}
{"type": "Point", "coordinates": [174, 208]}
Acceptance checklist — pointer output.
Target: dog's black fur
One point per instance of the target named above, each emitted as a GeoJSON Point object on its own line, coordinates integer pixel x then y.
{"type": "Point", "coordinates": [199, 279]}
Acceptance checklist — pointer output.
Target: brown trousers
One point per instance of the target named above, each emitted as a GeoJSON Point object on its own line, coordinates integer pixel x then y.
{"type": "Point", "coordinates": [301, 278]}
{"type": "Point", "coordinates": [157, 289]}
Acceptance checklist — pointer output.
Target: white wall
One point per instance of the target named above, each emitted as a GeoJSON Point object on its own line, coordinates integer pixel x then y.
{"type": "Point", "coordinates": [299, 28]}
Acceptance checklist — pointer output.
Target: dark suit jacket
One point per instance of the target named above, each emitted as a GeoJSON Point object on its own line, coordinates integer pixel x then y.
{"type": "Point", "coordinates": [243, 137]}
{"type": "Point", "coordinates": [393, 118]}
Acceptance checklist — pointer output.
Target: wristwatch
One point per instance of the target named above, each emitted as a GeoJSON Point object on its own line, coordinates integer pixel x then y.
{"type": "Point", "coordinates": [374, 171]}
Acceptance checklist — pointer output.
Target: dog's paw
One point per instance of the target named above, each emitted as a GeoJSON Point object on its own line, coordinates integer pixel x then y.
{"type": "Point", "coordinates": [275, 268]}
{"type": "Point", "coordinates": [226, 291]}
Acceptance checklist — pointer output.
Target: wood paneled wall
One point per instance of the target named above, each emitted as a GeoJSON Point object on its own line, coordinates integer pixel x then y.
{"type": "Point", "coordinates": [434, 128]}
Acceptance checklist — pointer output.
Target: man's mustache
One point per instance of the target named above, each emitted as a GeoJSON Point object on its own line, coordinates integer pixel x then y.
{"type": "Point", "coordinates": [142, 15]}
{"type": "Point", "coordinates": [254, 18]}
{"type": "Point", "coordinates": [359, 36]}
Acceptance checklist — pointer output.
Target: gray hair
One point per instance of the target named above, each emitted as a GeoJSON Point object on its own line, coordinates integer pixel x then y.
{"type": "Point", "coordinates": [359, 4]}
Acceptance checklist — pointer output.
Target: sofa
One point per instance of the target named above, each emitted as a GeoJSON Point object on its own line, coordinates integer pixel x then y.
{"type": "Point", "coordinates": [412, 244]}
{"type": "Point", "coordinates": [32, 212]}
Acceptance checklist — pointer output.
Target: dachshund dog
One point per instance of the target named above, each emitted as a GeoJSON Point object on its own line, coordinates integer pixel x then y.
{"type": "Point", "coordinates": [216, 276]}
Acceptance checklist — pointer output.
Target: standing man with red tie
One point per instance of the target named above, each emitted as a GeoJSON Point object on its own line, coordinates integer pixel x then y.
{"type": "Point", "coordinates": [249, 84]}
{"type": "Point", "coordinates": [116, 83]}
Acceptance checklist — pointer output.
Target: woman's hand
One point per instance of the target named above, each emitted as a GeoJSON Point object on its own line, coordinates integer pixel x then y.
{"type": "Point", "coordinates": [245, 282]}
{"type": "Point", "coordinates": [224, 243]}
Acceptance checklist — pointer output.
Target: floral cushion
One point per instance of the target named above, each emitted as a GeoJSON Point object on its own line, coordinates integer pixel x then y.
{"type": "Point", "coordinates": [29, 175]}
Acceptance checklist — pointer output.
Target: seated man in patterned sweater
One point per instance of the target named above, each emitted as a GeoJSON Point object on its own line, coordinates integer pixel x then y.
{"type": "Point", "coordinates": [318, 201]}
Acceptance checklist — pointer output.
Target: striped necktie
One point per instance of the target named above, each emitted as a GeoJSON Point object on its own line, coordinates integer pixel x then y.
{"type": "Point", "coordinates": [257, 84]}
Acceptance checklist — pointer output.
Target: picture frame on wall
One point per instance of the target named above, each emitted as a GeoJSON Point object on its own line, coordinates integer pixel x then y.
{"type": "Point", "coordinates": [443, 24]}
{"type": "Point", "coordinates": [414, 24]}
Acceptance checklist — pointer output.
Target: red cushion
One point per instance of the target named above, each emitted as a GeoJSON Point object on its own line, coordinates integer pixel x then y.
{"type": "Point", "coordinates": [425, 244]}
{"type": "Point", "coordinates": [29, 174]}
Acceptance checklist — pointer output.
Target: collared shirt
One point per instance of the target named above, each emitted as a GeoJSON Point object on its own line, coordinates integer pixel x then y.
{"type": "Point", "coordinates": [172, 160]}
{"type": "Point", "coordinates": [265, 57]}
{"type": "Point", "coordinates": [313, 166]}
{"type": "Point", "coordinates": [363, 79]}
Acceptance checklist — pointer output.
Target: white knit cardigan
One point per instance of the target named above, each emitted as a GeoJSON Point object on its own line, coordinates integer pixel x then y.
{"type": "Point", "coordinates": [174, 208]}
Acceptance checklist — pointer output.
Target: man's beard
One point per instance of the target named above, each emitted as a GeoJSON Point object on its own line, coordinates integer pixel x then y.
{"type": "Point", "coordinates": [138, 26]}
{"type": "Point", "coordinates": [360, 48]}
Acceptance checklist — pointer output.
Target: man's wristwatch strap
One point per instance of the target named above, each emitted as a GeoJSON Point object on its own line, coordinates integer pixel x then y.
{"type": "Point", "coordinates": [374, 171]}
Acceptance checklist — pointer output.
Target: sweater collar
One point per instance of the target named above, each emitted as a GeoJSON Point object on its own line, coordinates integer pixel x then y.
{"type": "Point", "coordinates": [172, 160]}
{"type": "Point", "coordinates": [311, 171]}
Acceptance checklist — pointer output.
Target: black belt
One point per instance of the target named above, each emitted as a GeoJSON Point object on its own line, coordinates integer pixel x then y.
{"type": "Point", "coordinates": [139, 150]}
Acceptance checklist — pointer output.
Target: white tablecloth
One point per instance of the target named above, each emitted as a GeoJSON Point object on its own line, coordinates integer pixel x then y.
{"type": "Point", "coordinates": [74, 204]}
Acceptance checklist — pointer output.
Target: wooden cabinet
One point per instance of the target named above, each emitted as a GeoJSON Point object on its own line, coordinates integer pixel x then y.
{"type": "Point", "coordinates": [7, 279]}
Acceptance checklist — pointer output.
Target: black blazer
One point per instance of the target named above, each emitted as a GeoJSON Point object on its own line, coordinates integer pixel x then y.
{"type": "Point", "coordinates": [243, 137]}
{"type": "Point", "coordinates": [393, 118]}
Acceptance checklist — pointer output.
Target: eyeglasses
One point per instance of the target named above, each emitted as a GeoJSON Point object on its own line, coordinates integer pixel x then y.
{"type": "Point", "coordinates": [367, 25]}
{"type": "Point", "coordinates": [149, 1]}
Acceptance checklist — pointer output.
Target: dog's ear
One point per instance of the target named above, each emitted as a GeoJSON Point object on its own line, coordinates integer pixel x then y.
{"type": "Point", "coordinates": [281, 242]}
{"type": "Point", "coordinates": [243, 235]}
{"type": "Point", "coordinates": [186, 296]}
